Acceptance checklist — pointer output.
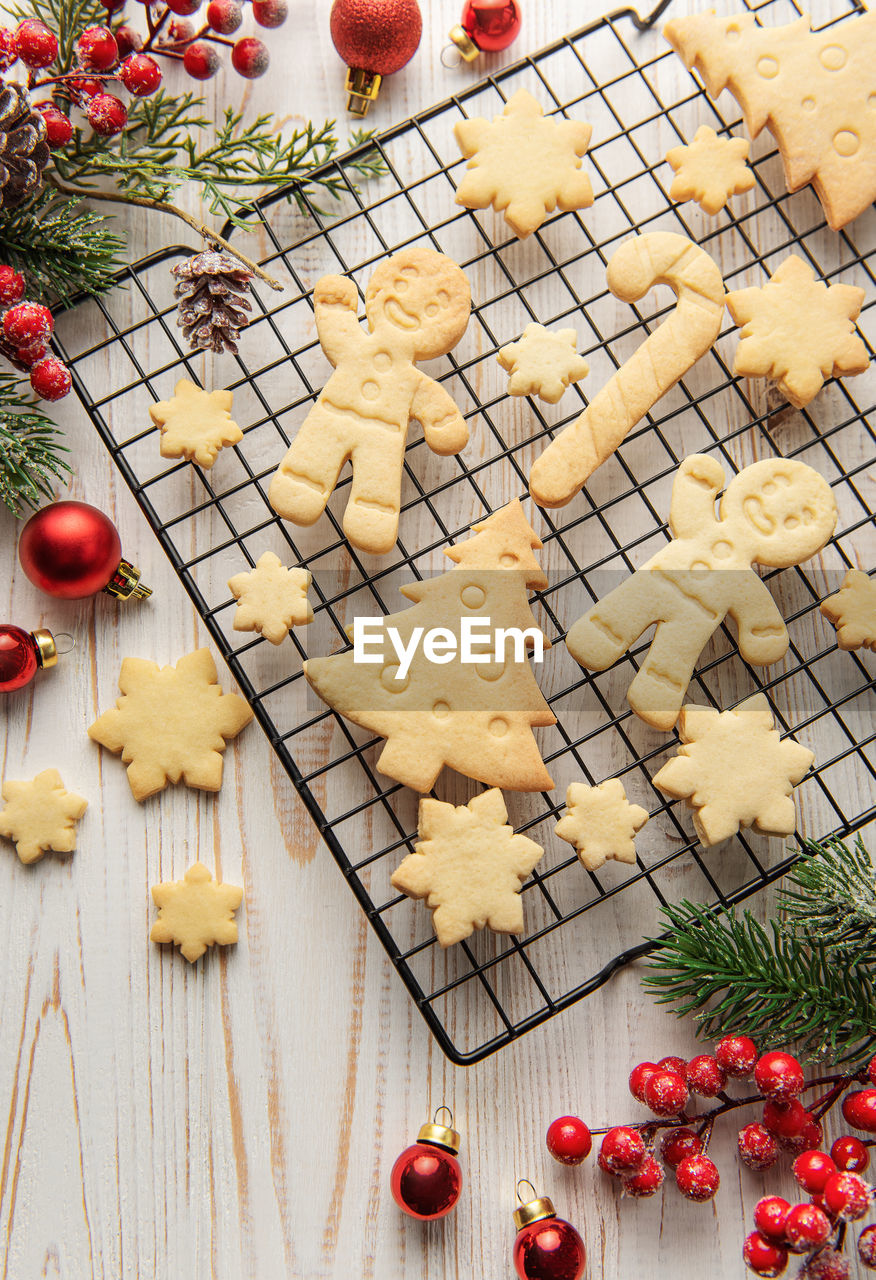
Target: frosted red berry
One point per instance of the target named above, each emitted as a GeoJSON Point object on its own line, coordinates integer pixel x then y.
{"type": "Point", "coordinates": [778, 1075]}
{"type": "Point", "coordinates": [36, 45]}
{"type": "Point", "coordinates": [827, 1264]}
{"type": "Point", "coordinates": [224, 16]}
{"type": "Point", "coordinates": [269, 13]}
{"type": "Point", "coordinates": [867, 1247]}
{"type": "Point", "coordinates": [8, 49]}
{"type": "Point", "coordinates": [675, 1064]}
{"type": "Point", "coordinates": [647, 1181]}
{"type": "Point", "coordinates": [849, 1154]}
{"type": "Point", "coordinates": [185, 8]}
{"type": "Point", "coordinates": [784, 1119]}
{"type": "Point", "coordinates": [859, 1110]}
{"type": "Point", "coordinates": [81, 88]}
{"type": "Point", "coordinates": [677, 1144]}
{"type": "Point", "coordinates": [250, 58]}
{"type": "Point", "coordinates": [96, 49]}
{"type": "Point", "coordinates": [847, 1195]}
{"type": "Point", "coordinates": [810, 1138]}
{"type": "Point", "coordinates": [806, 1227]}
{"type": "Point", "coordinates": [569, 1140]}
{"type": "Point", "coordinates": [201, 60]}
{"type": "Point", "coordinates": [140, 74]}
{"type": "Point", "coordinates": [763, 1257]}
{"type": "Point", "coordinates": [770, 1216]}
{"type": "Point", "coordinates": [623, 1149]}
{"type": "Point", "coordinates": [600, 1160]}
{"type": "Point", "coordinates": [106, 114]}
{"type": "Point", "coordinates": [639, 1075]}
{"type": "Point", "coordinates": [128, 40]}
{"type": "Point", "coordinates": [698, 1178]}
{"type": "Point", "coordinates": [705, 1076]}
{"type": "Point", "coordinates": [11, 286]}
{"type": "Point", "coordinates": [665, 1093]}
{"type": "Point", "coordinates": [59, 128]}
{"type": "Point", "coordinates": [50, 379]}
{"type": "Point", "coordinates": [29, 354]}
{"type": "Point", "coordinates": [27, 323]}
{"type": "Point", "coordinates": [180, 30]}
{"type": "Point", "coordinates": [812, 1170]}
{"type": "Point", "coordinates": [758, 1148]}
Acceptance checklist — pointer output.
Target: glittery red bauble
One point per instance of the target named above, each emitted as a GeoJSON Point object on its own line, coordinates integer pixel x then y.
{"type": "Point", "coordinates": [491, 24]}
{"type": "Point", "coordinates": [426, 1181]}
{"type": "Point", "coordinates": [70, 550]}
{"type": "Point", "coordinates": [18, 657]}
{"type": "Point", "coordinates": [377, 35]}
{"type": "Point", "coordinates": [549, 1249]}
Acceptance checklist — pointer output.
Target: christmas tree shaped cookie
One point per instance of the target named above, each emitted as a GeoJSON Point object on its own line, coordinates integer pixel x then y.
{"type": "Point", "coordinates": [853, 611]}
{"type": "Point", "coordinates": [469, 866]}
{"type": "Point", "coordinates": [477, 717]}
{"type": "Point", "coordinates": [812, 90]}
{"type": "Point", "coordinates": [40, 815]}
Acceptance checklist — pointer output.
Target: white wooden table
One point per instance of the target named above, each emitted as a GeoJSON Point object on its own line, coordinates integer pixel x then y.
{"type": "Point", "coordinates": [238, 1119]}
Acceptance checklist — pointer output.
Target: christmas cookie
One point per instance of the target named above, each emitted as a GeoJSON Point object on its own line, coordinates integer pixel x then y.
{"type": "Point", "coordinates": [272, 598]}
{"type": "Point", "coordinates": [543, 362]}
{"type": "Point", "coordinates": [196, 913]}
{"type": "Point", "coordinates": [469, 866]}
{"type": "Point", "coordinates": [475, 716]}
{"type": "Point", "coordinates": [601, 823]}
{"type": "Point", "coordinates": [798, 330]}
{"type": "Point", "coordinates": [195, 424]}
{"type": "Point", "coordinates": [853, 611]}
{"type": "Point", "coordinates": [40, 815]}
{"type": "Point", "coordinates": [775, 513]}
{"type": "Point", "coordinates": [735, 771]}
{"type": "Point", "coordinates": [812, 90]}
{"type": "Point", "coordinates": [524, 164]}
{"type": "Point", "coordinates": [658, 257]}
{"type": "Point", "coordinates": [417, 305]}
{"type": "Point", "coordinates": [710, 170]}
{"type": "Point", "coordinates": [171, 723]}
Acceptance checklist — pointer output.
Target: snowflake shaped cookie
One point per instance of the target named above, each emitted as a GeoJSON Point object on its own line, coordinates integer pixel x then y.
{"type": "Point", "coordinates": [39, 815]}
{"type": "Point", "coordinates": [710, 170]}
{"type": "Point", "coordinates": [601, 823]}
{"type": "Point", "coordinates": [853, 611]}
{"type": "Point", "coordinates": [798, 330]}
{"type": "Point", "coordinates": [735, 771]}
{"type": "Point", "coordinates": [469, 866]}
{"type": "Point", "coordinates": [171, 723]}
{"type": "Point", "coordinates": [524, 164]}
{"type": "Point", "coordinates": [272, 598]}
{"type": "Point", "coordinates": [196, 912]}
{"type": "Point", "coordinates": [543, 362]}
{"type": "Point", "coordinates": [195, 424]}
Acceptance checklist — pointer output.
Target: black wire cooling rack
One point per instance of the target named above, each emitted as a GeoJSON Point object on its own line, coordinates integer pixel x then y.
{"type": "Point", "coordinates": [620, 76]}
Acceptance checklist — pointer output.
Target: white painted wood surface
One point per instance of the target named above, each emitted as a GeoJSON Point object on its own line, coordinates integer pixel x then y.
{"type": "Point", "coordinates": [238, 1119]}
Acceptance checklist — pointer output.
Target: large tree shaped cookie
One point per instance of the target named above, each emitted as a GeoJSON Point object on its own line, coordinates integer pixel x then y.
{"type": "Point", "coordinates": [475, 717]}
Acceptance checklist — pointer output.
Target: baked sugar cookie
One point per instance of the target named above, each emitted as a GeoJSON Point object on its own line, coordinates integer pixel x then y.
{"type": "Point", "coordinates": [195, 424]}
{"type": "Point", "coordinates": [601, 823]}
{"type": "Point", "coordinates": [272, 598]}
{"type": "Point", "coordinates": [853, 611]}
{"type": "Point", "coordinates": [196, 913]}
{"type": "Point", "coordinates": [543, 362]}
{"type": "Point", "coordinates": [710, 170]}
{"type": "Point", "coordinates": [40, 815]}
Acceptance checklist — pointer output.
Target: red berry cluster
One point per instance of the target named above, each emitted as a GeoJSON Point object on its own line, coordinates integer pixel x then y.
{"type": "Point", "coordinates": [24, 338]}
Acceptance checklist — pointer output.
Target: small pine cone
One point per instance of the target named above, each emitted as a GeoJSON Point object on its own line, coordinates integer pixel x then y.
{"type": "Point", "coordinates": [213, 306]}
{"type": "Point", "coordinates": [24, 152]}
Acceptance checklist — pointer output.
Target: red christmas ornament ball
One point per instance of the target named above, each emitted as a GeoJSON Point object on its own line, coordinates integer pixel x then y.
{"type": "Point", "coordinates": [549, 1249]}
{"type": "Point", "coordinates": [18, 658]}
{"type": "Point", "coordinates": [69, 550]}
{"type": "Point", "coordinates": [377, 35]}
{"type": "Point", "coordinates": [426, 1181]}
{"type": "Point", "coordinates": [569, 1140]}
{"type": "Point", "coordinates": [491, 24]}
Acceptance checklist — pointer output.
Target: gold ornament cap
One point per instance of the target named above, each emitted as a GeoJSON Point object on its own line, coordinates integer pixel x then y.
{"type": "Point", "coordinates": [47, 650]}
{"type": "Point", "coordinates": [125, 583]}
{"type": "Point", "coordinates": [464, 43]}
{"type": "Point", "coordinates": [440, 1135]}
{"type": "Point", "coordinates": [532, 1210]}
{"type": "Point", "coordinates": [362, 89]}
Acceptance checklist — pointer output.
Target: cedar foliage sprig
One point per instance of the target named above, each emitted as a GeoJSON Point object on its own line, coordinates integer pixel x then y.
{"type": "Point", "coordinates": [62, 248]}
{"type": "Point", "coordinates": [29, 448]}
{"type": "Point", "coordinates": [810, 980]}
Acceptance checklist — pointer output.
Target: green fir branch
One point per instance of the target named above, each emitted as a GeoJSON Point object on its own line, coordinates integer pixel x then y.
{"type": "Point", "coordinates": [830, 897]}
{"type": "Point", "coordinates": [29, 448]}
{"type": "Point", "coordinates": [61, 248]}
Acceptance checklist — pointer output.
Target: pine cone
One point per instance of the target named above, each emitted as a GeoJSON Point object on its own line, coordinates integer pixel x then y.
{"type": "Point", "coordinates": [23, 150]}
{"type": "Point", "coordinates": [212, 288]}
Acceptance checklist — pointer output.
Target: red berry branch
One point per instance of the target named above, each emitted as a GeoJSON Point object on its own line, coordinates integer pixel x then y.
{"type": "Point", "coordinates": [25, 331]}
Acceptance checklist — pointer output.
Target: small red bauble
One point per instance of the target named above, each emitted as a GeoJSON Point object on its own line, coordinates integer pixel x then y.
{"type": "Point", "coordinates": [763, 1257]}
{"type": "Point", "coordinates": [806, 1227]}
{"type": "Point", "coordinates": [569, 1140]}
{"type": "Point", "coordinates": [486, 26]}
{"type": "Point", "coordinates": [36, 45]}
{"type": "Point", "coordinates": [622, 1150]}
{"type": "Point", "coordinates": [106, 114]}
{"type": "Point", "coordinates": [859, 1110]}
{"type": "Point", "coordinates": [547, 1247]}
{"type": "Point", "coordinates": [59, 128]}
{"type": "Point", "coordinates": [758, 1148]}
{"type": "Point", "coordinates": [812, 1170]}
{"type": "Point", "coordinates": [646, 1182]}
{"type": "Point", "coordinates": [426, 1178]}
{"type": "Point", "coordinates": [71, 550]}
{"type": "Point", "coordinates": [705, 1076]}
{"type": "Point", "coordinates": [201, 60]}
{"type": "Point", "coordinates": [770, 1216]}
{"type": "Point", "coordinates": [698, 1178]}
{"type": "Point", "coordinates": [867, 1247]}
{"type": "Point", "coordinates": [50, 379]}
{"type": "Point", "coordinates": [849, 1154]}
{"type": "Point", "coordinates": [736, 1055]}
{"type": "Point", "coordinates": [22, 653]}
{"type": "Point", "coordinates": [250, 58]}
{"type": "Point", "coordinates": [269, 13]}
{"type": "Point", "coordinates": [11, 286]}
{"type": "Point", "coordinates": [677, 1144]}
{"type": "Point", "coordinates": [96, 49]}
{"type": "Point", "coordinates": [28, 324]}
{"type": "Point", "coordinates": [665, 1093]}
{"type": "Point", "coordinates": [847, 1195]}
{"type": "Point", "coordinates": [379, 36]}
{"type": "Point", "coordinates": [224, 16]}
{"type": "Point", "coordinates": [140, 74]}
{"type": "Point", "coordinates": [778, 1075]}
{"type": "Point", "coordinates": [639, 1076]}
{"type": "Point", "coordinates": [8, 49]}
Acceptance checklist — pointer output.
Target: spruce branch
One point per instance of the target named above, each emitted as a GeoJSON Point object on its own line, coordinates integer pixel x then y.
{"type": "Point", "coordinates": [29, 448]}
{"type": "Point", "coordinates": [830, 897]}
{"type": "Point", "coordinates": [61, 248]}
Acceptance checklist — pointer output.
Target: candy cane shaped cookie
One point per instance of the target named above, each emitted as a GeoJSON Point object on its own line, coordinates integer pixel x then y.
{"type": "Point", "coordinates": [659, 257]}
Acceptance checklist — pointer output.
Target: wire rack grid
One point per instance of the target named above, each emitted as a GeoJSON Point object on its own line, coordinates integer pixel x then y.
{"type": "Point", "coordinates": [580, 926]}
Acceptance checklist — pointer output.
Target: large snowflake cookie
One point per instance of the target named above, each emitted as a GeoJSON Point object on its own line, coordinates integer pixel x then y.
{"type": "Point", "coordinates": [171, 723]}
{"type": "Point", "coordinates": [710, 170]}
{"type": "Point", "coordinates": [601, 823]}
{"type": "Point", "coordinates": [40, 815]}
{"type": "Point", "coordinates": [853, 611]}
{"type": "Point", "coordinates": [735, 771]}
{"type": "Point", "coordinates": [195, 424]}
{"type": "Point", "coordinates": [798, 330]}
{"type": "Point", "coordinates": [196, 913]}
{"type": "Point", "coordinates": [543, 362]}
{"type": "Point", "coordinates": [272, 598]}
{"type": "Point", "coordinates": [524, 163]}
{"type": "Point", "coordinates": [469, 866]}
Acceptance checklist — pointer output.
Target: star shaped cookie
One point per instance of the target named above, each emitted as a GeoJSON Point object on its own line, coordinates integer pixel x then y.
{"type": "Point", "coordinates": [524, 164]}
{"type": "Point", "coordinates": [735, 771]}
{"type": "Point", "coordinates": [853, 611]}
{"type": "Point", "coordinates": [39, 815]}
{"type": "Point", "coordinates": [195, 424]}
{"type": "Point", "coordinates": [798, 330]}
{"type": "Point", "coordinates": [171, 723]}
{"type": "Point", "coordinates": [543, 362]}
{"type": "Point", "coordinates": [601, 823]}
{"type": "Point", "coordinates": [195, 913]}
{"type": "Point", "coordinates": [710, 170]}
{"type": "Point", "coordinates": [272, 598]}
{"type": "Point", "coordinates": [469, 866]}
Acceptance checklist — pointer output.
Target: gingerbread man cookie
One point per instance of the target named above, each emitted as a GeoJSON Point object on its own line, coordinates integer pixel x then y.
{"type": "Point", "coordinates": [417, 305]}
{"type": "Point", "coordinates": [196, 913]}
{"type": "Point", "coordinates": [543, 362]}
{"type": "Point", "coordinates": [853, 611]}
{"type": "Point", "coordinates": [40, 815]}
{"type": "Point", "coordinates": [272, 598]}
{"type": "Point", "coordinates": [775, 512]}
{"type": "Point", "coordinates": [710, 170]}
{"type": "Point", "coordinates": [195, 424]}
{"type": "Point", "coordinates": [601, 823]}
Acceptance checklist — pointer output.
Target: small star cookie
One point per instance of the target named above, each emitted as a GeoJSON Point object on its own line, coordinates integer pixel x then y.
{"type": "Point", "coordinates": [39, 815]}
{"type": "Point", "coordinates": [735, 771]}
{"type": "Point", "coordinates": [195, 913]}
{"type": "Point", "coordinates": [798, 330]}
{"type": "Point", "coordinates": [601, 823]}
{"type": "Point", "coordinates": [171, 723]}
{"type": "Point", "coordinates": [469, 866]}
{"type": "Point", "coordinates": [524, 164]}
{"type": "Point", "coordinates": [272, 598]}
{"type": "Point", "coordinates": [543, 362]}
{"type": "Point", "coordinates": [710, 170]}
{"type": "Point", "coordinates": [853, 611]}
{"type": "Point", "coordinates": [195, 424]}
